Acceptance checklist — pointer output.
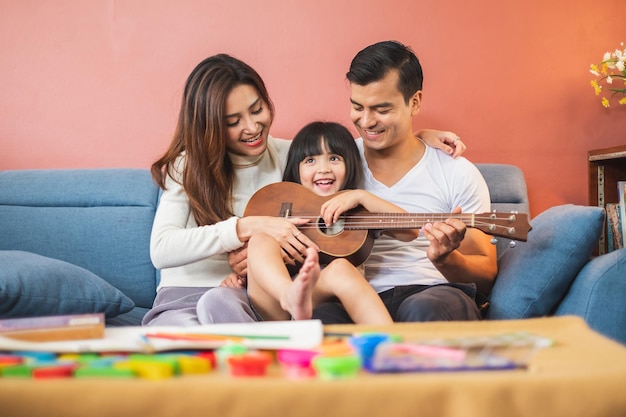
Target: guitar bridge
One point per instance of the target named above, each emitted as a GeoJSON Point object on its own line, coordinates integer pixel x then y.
{"type": "Point", "coordinates": [285, 210]}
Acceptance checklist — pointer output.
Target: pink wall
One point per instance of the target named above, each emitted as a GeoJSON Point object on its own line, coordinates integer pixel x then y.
{"type": "Point", "coordinates": [97, 83]}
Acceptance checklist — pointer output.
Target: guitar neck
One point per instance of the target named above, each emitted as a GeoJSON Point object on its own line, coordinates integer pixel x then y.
{"type": "Point", "coordinates": [511, 225]}
{"type": "Point", "coordinates": [396, 221]}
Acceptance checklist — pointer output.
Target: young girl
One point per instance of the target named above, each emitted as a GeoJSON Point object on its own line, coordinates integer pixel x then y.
{"type": "Point", "coordinates": [324, 158]}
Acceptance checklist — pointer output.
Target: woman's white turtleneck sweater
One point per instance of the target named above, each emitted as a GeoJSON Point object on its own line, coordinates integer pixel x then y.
{"type": "Point", "coordinates": [192, 256]}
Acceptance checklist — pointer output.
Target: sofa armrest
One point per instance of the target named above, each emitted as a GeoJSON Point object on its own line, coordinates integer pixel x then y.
{"type": "Point", "coordinates": [598, 295]}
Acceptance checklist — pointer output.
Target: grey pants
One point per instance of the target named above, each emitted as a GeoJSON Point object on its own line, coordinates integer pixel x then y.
{"type": "Point", "coordinates": [191, 306]}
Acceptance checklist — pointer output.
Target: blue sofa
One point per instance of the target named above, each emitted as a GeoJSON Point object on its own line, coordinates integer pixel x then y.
{"type": "Point", "coordinates": [77, 241]}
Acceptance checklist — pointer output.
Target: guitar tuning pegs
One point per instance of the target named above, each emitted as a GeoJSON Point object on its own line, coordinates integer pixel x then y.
{"type": "Point", "coordinates": [493, 241]}
{"type": "Point", "coordinates": [512, 244]}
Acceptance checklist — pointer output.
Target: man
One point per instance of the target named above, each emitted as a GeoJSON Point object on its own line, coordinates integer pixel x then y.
{"type": "Point", "coordinates": [438, 275]}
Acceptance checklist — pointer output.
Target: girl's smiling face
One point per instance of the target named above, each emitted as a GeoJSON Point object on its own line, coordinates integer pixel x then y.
{"type": "Point", "coordinates": [323, 174]}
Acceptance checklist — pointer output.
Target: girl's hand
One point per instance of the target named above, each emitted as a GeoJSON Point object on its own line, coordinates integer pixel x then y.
{"type": "Point", "coordinates": [447, 141]}
{"type": "Point", "coordinates": [234, 281]}
{"type": "Point", "coordinates": [341, 202]}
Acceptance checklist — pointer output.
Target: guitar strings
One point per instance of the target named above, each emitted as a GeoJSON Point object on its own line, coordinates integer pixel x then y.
{"type": "Point", "coordinates": [407, 220]}
{"type": "Point", "coordinates": [426, 217]}
{"type": "Point", "coordinates": [382, 218]}
{"type": "Point", "coordinates": [383, 225]}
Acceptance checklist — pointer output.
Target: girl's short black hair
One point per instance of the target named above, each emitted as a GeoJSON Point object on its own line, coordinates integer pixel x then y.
{"type": "Point", "coordinates": [312, 139]}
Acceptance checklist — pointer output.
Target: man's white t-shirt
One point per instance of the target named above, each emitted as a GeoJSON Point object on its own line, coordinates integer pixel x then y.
{"type": "Point", "coordinates": [436, 184]}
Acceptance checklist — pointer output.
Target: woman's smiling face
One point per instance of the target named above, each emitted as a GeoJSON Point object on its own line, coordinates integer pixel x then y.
{"type": "Point", "coordinates": [248, 119]}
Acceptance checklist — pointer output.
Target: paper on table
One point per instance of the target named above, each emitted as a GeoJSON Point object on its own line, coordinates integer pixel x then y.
{"type": "Point", "coordinates": [301, 334]}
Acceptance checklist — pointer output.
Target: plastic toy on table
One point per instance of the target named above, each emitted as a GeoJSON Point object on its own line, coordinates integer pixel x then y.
{"type": "Point", "coordinates": [497, 352]}
{"type": "Point", "coordinates": [296, 364]}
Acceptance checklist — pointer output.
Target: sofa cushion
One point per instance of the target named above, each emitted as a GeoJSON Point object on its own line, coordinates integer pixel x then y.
{"type": "Point", "coordinates": [98, 219]}
{"type": "Point", "coordinates": [35, 285]}
{"type": "Point", "coordinates": [534, 276]}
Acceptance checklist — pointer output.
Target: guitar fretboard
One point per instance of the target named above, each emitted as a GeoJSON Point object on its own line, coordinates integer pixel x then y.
{"type": "Point", "coordinates": [400, 220]}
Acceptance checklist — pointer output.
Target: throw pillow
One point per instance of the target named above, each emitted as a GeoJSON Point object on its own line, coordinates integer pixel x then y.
{"type": "Point", "coordinates": [535, 275]}
{"type": "Point", "coordinates": [34, 285]}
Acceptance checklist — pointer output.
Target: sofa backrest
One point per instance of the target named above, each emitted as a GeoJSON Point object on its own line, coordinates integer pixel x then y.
{"type": "Point", "coordinates": [507, 187]}
{"type": "Point", "coordinates": [508, 192]}
{"type": "Point", "coordinates": [99, 219]}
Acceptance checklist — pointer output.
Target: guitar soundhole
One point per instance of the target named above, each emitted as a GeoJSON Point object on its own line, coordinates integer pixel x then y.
{"type": "Point", "coordinates": [333, 230]}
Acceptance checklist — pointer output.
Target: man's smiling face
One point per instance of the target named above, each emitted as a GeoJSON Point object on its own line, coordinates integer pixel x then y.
{"type": "Point", "coordinates": [380, 113]}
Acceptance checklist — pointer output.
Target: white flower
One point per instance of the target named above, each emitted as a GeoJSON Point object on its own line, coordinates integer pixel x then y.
{"type": "Point", "coordinates": [613, 66]}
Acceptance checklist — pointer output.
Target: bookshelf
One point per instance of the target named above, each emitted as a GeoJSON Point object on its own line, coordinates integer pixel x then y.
{"type": "Point", "coordinates": [606, 167]}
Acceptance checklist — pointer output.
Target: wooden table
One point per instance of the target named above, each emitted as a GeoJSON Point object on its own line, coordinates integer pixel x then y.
{"type": "Point", "coordinates": [583, 374]}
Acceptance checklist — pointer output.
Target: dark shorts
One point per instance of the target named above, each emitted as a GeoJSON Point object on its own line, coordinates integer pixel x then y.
{"type": "Point", "coordinates": [411, 303]}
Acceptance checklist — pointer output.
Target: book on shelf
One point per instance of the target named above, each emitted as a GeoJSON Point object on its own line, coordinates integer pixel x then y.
{"type": "Point", "coordinates": [621, 191]}
{"type": "Point", "coordinates": [614, 229]}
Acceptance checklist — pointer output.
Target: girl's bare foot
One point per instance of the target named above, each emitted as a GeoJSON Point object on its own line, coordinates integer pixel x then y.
{"type": "Point", "coordinates": [297, 299]}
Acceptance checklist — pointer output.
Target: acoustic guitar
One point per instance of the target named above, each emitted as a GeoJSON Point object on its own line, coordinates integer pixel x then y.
{"type": "Point", "coordinates": [352, 237]}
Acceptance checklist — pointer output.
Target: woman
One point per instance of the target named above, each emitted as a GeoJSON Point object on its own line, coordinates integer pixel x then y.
{"type": "Point", "coordinates": [220, 155]}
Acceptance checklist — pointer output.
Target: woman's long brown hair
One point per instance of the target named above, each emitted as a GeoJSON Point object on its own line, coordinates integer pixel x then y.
{"type": "Point", "coordinates": [208, 173]}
